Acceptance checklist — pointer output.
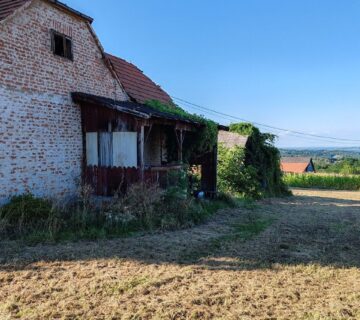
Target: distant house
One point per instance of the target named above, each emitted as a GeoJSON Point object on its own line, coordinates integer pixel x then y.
{"type": "Point", "coordinates": [297, 165]}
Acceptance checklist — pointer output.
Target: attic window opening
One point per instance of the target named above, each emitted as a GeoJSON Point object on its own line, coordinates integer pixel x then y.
{"type": "Point", "coordinates": [61, 45]}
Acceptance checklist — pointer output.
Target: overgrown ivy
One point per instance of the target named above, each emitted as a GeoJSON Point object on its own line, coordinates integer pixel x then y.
{"type": "Point", "coordinates": [234, 175]}
{"type": "Point", "coordinates": [261, 163]}
{"type": "Point", "coordinates": [205, 138]}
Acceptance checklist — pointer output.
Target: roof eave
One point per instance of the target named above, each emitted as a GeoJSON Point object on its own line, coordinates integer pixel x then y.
{"type": "Point", "coordinates": [65, 7]}
{"type": "Point", "coordinates": [78, 97]}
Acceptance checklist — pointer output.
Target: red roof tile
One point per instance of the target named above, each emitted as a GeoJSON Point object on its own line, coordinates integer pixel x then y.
{"type": "Point", "coordinates": [136, 84]}
{"type": "Point", "coordinates": [294, 167]}
{"type": "Point", "coordinates": [7, 7]}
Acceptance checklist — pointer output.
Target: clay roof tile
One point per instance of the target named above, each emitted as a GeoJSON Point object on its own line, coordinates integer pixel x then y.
{"type": "Point", "coordinates": [136, 84]}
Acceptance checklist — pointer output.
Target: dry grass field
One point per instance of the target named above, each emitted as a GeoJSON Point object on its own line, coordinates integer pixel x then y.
{"type": "Point", "coordinates": [294, 258]}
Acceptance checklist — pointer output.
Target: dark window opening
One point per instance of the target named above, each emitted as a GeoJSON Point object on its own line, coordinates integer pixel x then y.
{"type": "Point", "coordinates": [61, 45]}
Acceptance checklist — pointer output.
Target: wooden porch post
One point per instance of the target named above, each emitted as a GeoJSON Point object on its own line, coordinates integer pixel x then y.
{"type": "Point", "coordinates": [180, 141]}
{"type": "Point", "coordinates": [142, 161]}
{"type": "Point", "coordinates": [181, 146]}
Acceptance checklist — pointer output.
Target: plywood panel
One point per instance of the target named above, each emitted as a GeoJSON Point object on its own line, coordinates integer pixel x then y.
{"type": "Point", "coordinates": [105, 155]}
{"type": "Point", "coordinates": [92, 155]}
{"type": "Point", "coordinates": [125, 149]}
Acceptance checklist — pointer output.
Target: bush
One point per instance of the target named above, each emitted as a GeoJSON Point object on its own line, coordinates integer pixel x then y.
{"type": "Point", "coordinates": [138, 204]}
{"type": "Point", "coordinates": [253, 171]}
{"type": "Point", "coordinates": [146, 206]}
{"type": "Point", "coordinates": [234, 176]}
{"type": "Point", "coordinates": [264, 158]}
{"type": "Point", "coordinates": [26, 213]}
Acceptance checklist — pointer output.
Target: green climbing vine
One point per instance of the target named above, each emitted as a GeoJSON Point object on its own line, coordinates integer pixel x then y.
{"type": "Point", "coordinates": [259, 167]}
{"type": "Point", "coordinates": [205, 138]}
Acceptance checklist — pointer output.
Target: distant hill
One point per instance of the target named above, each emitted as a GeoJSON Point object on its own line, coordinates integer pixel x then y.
{"type": "Point", "coordinates": [325, 153]}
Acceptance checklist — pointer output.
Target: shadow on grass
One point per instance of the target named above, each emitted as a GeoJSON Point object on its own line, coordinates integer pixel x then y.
{"type": "Point", "coordinates": [291, 231]}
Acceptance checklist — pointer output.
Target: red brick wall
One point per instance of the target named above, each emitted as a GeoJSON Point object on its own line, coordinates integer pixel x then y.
{"type": "Point", "coordinates": [40, 127]}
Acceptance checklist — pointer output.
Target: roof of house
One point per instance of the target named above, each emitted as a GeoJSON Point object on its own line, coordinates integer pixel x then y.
{"type": "Point", "coordinates": [294, 167]}
{"type": "Point", "coordinates": [295, 164]}
{"type": "Point", "coordinates": [136, 109]}
{"type": "Point", "coordinates": [296, 160]}
{"type": "Point", "coordinates": [136, 84]}
{"type": "Point", "coordinates": [8, 7]}
{"type": "Point", "coordinates": [232, 139]}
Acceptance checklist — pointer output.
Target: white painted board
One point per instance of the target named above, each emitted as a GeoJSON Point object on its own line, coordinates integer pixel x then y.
{"type": "Point", "coordinates": [105, 154]}
{"type": "Point", "coordinates": [92, 155]}
{"type": "Point", "coordinates": [125, 149]}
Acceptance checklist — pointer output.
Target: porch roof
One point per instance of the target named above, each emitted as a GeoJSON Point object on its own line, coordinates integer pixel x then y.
{"type": "Point", "coordinates": [136, 109]}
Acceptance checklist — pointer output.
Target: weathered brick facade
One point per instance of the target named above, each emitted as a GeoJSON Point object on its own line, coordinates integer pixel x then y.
{"type": "Point", "coordinates": [40, 127]}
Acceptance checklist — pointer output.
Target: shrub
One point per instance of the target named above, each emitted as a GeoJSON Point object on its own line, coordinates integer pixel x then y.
{"type": "Point", "coordinates": [253, 171]}
{"type": "Point", "coordinates": [138, 204]}
{"type": "Point", "coordinates": [227, 199]}
{"type": "Point", "coordinates": [263, 158]}
{"type": "Point", "coordinates": [26, 213]}
{"type": "Point", "coordinates": [234, 176]}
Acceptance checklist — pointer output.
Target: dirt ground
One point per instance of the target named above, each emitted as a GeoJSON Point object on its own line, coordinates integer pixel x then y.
{"type": "Point", "coordinates": [304, 265]}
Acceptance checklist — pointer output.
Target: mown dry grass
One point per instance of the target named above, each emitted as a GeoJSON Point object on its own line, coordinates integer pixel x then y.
{"type": "Point", "coordinates": [295, 258]}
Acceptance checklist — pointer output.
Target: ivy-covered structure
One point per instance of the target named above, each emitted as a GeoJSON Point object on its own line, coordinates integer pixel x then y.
{"type": "Point", "coordinates": [145, 139]}
{"type": "Point", "coordinates": [249, 163]}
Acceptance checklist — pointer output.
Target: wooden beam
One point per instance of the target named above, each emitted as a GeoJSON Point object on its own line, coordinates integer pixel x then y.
{"type": "Point", "coordinates": [148, 134]}
{"type": "Point", "coordinates": [142, 151]}
{"type": "Point", "coordinates": [180, 141]}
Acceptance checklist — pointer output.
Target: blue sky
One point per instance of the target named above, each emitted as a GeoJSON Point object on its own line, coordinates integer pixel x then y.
{"type": "Point", "coordinates": [290, 64]}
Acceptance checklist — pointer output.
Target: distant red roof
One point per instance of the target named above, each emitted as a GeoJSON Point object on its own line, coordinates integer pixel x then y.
{"type": "Point", "coordinates": [296, 164]}
{"type": "Point", "coordinates": [136, 84]}
{"type": "Point", "coordinates": [7, 7]}
{"type": "Point", "coordinates": [294, 167]}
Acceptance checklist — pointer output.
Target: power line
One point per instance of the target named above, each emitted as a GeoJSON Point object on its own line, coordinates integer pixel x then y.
{"type": "Point", "coordinates": [227, 116]}
{"type": "Point", "coordinates": [277, 132]}
{"type": "Point", "coordinates": [273, 130]}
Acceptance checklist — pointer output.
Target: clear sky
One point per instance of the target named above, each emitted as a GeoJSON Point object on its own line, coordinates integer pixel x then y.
{"type": "Point", "coordinates": [292, 64]}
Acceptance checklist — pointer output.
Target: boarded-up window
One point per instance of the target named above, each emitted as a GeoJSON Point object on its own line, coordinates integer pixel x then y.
{"type": "Point", "coordinates": [105, 149]}
{"type": "Point", "coordinates": [92, 154]}
{"type": "Point", "coordinates": [125, 149]}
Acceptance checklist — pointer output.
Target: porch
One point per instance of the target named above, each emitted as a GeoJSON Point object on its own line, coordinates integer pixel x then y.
{"type": "Point", "coordinates": [126, 143]}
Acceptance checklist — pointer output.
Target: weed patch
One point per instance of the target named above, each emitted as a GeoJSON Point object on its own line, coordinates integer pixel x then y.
{"type": "Point", "coordinates": [143, 207]}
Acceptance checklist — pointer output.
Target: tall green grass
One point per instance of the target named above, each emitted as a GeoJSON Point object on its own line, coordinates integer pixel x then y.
{"type": "Point", "coordinates": [323, 181]}
{"type": "Point", "coordinates": [143, 207]}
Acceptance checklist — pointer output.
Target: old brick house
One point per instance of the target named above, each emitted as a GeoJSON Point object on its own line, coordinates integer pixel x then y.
{"type": "Point", "coordinates": [63, 108]}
